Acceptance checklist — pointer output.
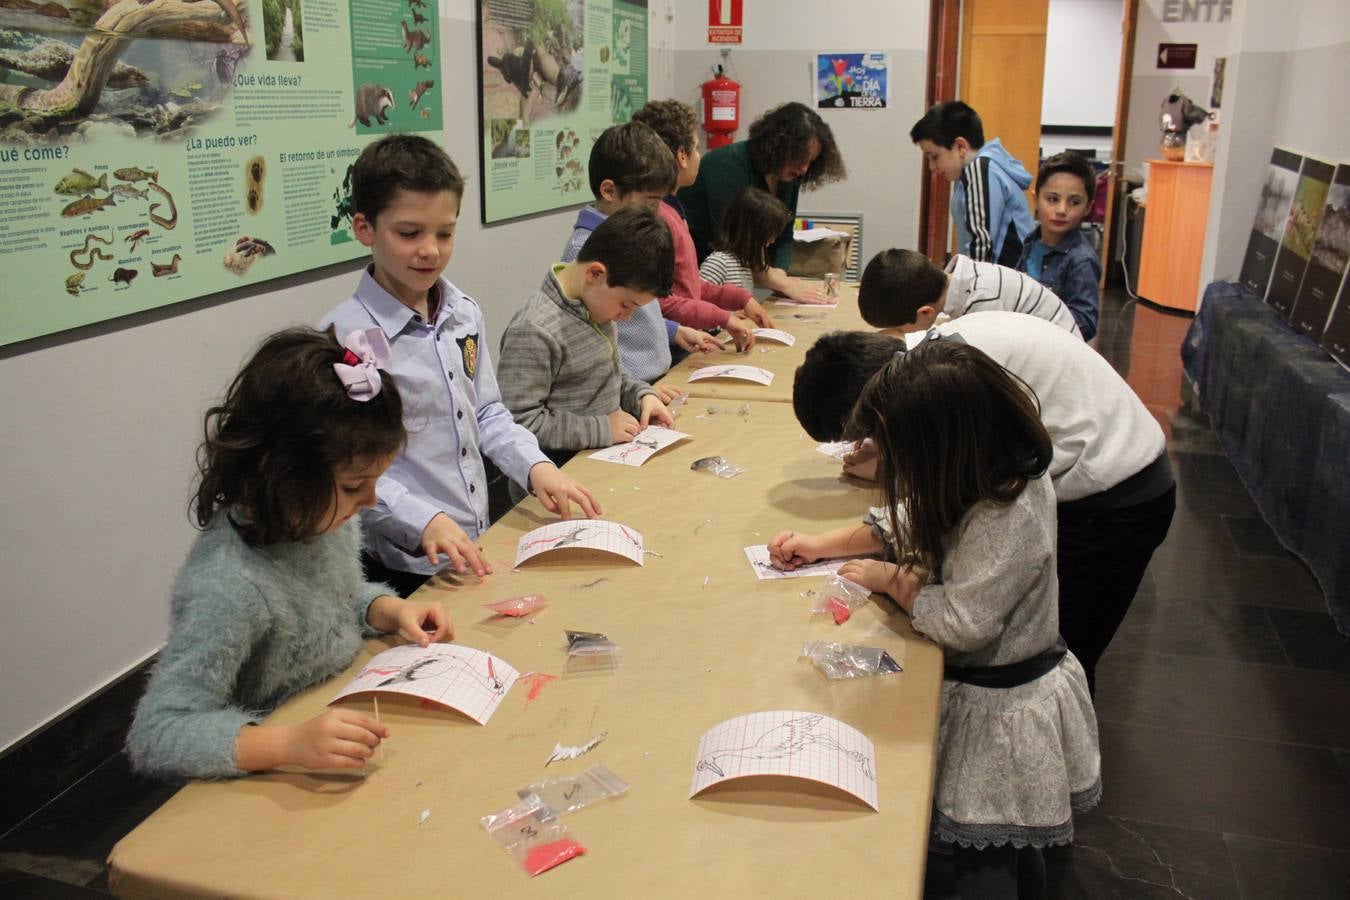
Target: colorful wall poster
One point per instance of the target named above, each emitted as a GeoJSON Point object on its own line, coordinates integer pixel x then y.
{"type": "Point", "coordinates": [1328, 262]}
{"type": "Point", "coordinates": [153, 151]}
{"type": "Point", "coordinates": [852, 81]}
{"type": "Point", "coordinates": [1277, 195]}
{"type": "Point", "coordinates": [553, 74]}
{"type": "Point", "coordinates": [1300, 229]}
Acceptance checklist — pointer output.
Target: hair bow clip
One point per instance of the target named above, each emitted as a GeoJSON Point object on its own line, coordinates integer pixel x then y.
{"type": "Point", "coordinates": [366, 351]}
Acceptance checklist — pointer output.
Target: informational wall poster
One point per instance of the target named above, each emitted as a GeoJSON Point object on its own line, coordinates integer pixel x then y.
{"type": "Point", "coordinates": [152, 151]}
{"type": "Point", "coordinates": [553, 74]}
{"type": "Point", "coordinates": [1305, 214]}
{"type": "Point", "coordinates": [852, 81]}
{"type": "Point", "coordinates": [1277, 195]}
{"type": "Point", "coordinates": [1329, 261]}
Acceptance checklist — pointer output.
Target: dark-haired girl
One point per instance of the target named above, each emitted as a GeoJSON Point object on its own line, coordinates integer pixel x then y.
{"type": "Point", "coordinates": [962, 467]}
{"type": "Point", "coordinates": [271, 599]}
{"type": "Point", "coordinates": [790, 147]}
{"type": "Point", "coordinates": [752, 222]}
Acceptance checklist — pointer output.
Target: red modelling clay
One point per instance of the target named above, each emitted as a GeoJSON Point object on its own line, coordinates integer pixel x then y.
{"type": "Point", "coordinates": [536, 681]}
{"type": "Point", "coordinates": [546, 856]}
{"type": "Point", "coordinates": [839, 609]}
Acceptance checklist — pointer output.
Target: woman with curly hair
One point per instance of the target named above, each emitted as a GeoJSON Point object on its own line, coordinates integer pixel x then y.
{"type": "Point", "coordinates": [790, 147]}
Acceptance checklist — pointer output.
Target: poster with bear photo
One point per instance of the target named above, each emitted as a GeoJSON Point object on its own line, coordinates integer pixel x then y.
{"type": "Point", "coordinates": [154, 151]}
{"type": "Point", "coordinates": [552, 75]}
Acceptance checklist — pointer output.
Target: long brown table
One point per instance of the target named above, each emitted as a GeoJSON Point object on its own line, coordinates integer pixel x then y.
{"type": "Point", "coordinates": [702, 641]}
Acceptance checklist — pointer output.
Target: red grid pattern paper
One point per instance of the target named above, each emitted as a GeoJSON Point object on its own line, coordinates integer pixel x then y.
{"type": "Point", "coordinates": [462, 678]}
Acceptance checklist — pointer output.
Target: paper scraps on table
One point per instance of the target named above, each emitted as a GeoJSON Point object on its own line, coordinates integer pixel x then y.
{"type": "Point", "coordinates": [426, 814]}
{"type": "Point", "coordinates": [561, 753]}
{"type": "Point", "coordinates": [790, 743]}
{"type": "Point", "coordinates": [741, 373]}
{"type": "Point", "coordinates": [649, 441]}
{"type": "Point", "coordinates": [836, 449]}
{"type": "Point", "coordinates": [775, 334]}
{"type": "Point", "coordinates": [588, 534]}
{"type": "Point", "coordinates": [765, 570]}
{"type": "Point", "coordinates": [462, 678]}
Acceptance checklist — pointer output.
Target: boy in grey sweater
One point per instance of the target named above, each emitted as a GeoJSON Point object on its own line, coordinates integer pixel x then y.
{"type": "Point", "coordinates": [559, 370]}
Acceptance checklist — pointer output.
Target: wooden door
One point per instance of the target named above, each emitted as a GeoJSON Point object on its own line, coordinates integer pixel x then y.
{"type": "Point", "coordinates": [1127, 29]}
{"type": "Point", "coordinates": [1002, 71]}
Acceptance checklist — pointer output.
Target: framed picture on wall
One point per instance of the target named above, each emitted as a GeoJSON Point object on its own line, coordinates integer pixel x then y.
{"type": "Point", "coordinates": [552, 75]}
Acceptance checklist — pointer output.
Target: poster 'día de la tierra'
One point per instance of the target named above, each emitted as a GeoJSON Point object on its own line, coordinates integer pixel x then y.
{"type": "Point", "coordinates": [153, 151]}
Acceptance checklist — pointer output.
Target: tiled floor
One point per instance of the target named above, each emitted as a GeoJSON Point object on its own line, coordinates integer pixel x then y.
{"type": "Point", "coordinates": [1224, 705]}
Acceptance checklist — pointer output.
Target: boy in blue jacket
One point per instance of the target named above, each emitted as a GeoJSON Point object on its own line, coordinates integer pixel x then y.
{"type": "Point", "coordinates": [1057, 254]}
{"type": "Point", "coordinates": [988, 205]}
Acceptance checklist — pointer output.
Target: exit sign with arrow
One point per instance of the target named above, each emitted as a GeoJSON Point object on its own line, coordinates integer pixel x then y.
{"type": "Point", "coordinates": [1176, 56]}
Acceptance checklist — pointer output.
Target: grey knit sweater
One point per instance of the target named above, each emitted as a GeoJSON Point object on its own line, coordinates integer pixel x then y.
{"type": "Point", "coordinates": [559, 372]}
{"type": "Point", "coordinates": [249, 628]}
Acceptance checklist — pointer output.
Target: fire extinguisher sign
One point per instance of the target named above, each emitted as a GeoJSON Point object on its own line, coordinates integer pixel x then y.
{"type": "Point", "coordinates": [724, 21]}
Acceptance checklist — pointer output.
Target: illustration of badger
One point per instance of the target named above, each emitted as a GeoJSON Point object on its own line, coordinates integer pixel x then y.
{"type": "Point", "coordinates": [373, 101]}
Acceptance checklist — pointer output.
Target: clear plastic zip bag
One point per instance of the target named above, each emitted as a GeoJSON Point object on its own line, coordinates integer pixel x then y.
{"type": "Point", "coordinates": [532, 836]}
{"type": "Point", "coordinates": [835, 660]}
{"type": "Point", "coordinates": [839, 598]}
{"type": "Point", "coordinates": [566, 794]}
{"type": "Point", "coordinates": [716, 465]}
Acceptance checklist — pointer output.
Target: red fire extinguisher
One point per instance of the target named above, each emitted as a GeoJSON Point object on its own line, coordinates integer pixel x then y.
{"type": "Point", "coordinates": [721, 109]}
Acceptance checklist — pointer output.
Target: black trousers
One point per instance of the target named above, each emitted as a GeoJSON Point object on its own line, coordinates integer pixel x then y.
{"type": "Point", "coordinates": [403, 583]}
{"type": "Point", "coordinates": [999, 873]}
{"type": "Point", "coordinates": [1102, 557]}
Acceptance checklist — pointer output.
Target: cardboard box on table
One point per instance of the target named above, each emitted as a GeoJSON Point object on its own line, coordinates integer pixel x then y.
{"type": "Point", "coordinates": [692, 656]}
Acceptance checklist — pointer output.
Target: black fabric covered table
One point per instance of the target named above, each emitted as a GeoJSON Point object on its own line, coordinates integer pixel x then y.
{"type": "Point", "coordinates": [1281, 409]}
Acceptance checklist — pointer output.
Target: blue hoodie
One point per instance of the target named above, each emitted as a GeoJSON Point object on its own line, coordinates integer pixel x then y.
{"type": "Point", "coordinates": [645, 338]}
{"type": "Point", "coordinates": [990, 208]}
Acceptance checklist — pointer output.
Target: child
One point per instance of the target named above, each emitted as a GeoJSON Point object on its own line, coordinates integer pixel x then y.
{"type": "Point", "coordinates": [1110, 470]}
{"type": "Point", "coordinates": [902, 290]}
{"type": "Point", "coordinates": [406, 194]}
{"type": "Point", "coordinates": [561, 376]}
{"type": "Point", "coordinates": [751, 224]}
{"type": "Point", "coordinates": [962, 468]}
{"type": "Point", "coordinates": [694, 301]}
{"type": "Point", "coordinates": [988, 206]}
{"type": "Point", "coordinates": [631, 165]}
{"type": "Point", "coordinates": [1056, 253]}
{"type": "Point", "coordinates": [271, 599]}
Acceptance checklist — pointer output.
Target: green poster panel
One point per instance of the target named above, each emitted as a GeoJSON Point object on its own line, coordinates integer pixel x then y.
{"type": "Point", "coordinates": [153, 151]}
{"type": "Point", "coordinates": [553, 74]}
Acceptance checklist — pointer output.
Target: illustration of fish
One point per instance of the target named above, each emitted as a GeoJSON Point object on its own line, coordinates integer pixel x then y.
{"type": "Point", "coordinates": [87, 205]}
{"type": "Point", "coordinates": [136, 237]}
{"type": "Point", "coordinates": [81, 182]}
{"type": "Point", "coordinates": [416, 93]}
{"type": "Point", "coordinates": [135, 173]}
{"type": "Point", "coordinates": [123, 276]}
{"type": "Point", "coordinates": [129, 192]}
{"type": "Point", "coordinates": [73, 283]}
{"type": "Point", "coordinates": [168, 268]}
{"type": "Point", "coordinates": [413, 39]}
{"type": "Point", "coordinates": [421, 62]}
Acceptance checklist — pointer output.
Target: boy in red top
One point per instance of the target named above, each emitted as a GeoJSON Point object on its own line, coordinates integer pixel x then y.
{"type": "Point", "coordinates": [694, 302]}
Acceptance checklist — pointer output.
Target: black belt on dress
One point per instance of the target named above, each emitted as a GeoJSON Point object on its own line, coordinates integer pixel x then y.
{"type": "Point", "coordinates": [1010, 675]}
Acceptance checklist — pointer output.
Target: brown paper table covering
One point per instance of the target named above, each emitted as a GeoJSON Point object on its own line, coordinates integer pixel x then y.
{"type": "Point", "coordinates": [805, 323]}
{"type": "Point", "coordinates": [692, 656]}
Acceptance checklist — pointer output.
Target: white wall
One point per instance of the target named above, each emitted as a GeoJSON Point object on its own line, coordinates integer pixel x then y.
{"type": "Point", "coordinates": [1286, 64]}
{"type": "Point", "coordinates": [1082, 62]}
{"type": "Point", "coordinates": [775, 65]}
{"type": "Point", "coordinates": [101, 425]}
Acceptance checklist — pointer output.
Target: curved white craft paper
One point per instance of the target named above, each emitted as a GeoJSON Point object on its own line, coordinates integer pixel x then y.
{"type": "Point", "coordinates": [591, 534]}
{"type": "Point", "coordinates": [788, 743]}
{"type": "Point", "coordinates": [765, 570]}
{"type": "Point", "coordinates": [649, 441]}
{"type": "Point", "coordinates": [462, 678]}
{"type": "Point", "coordinates": [744, 373]}
{"type": "Point", "coordinates": [775, 334]}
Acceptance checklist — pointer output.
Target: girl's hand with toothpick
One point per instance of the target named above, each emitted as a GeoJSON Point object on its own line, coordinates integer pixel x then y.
{"type": "Point", "coordinates": [421, 622]}
{"type": "Point", "coordinates": [337, 739]}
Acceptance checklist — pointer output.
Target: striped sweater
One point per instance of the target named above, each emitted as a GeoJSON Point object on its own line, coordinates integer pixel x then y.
{"type": "Point", "coordinates": [974, 287]}
{"type": "Point", "coordinates": [722, 268]}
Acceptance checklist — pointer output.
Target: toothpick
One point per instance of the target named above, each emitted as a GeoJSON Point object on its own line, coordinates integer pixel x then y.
{"type": "Point", "coordinates": [377, 720]}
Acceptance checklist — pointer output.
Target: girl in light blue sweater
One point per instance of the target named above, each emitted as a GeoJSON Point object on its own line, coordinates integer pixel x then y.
{"type": "Point", "coordinates": [271, 599]}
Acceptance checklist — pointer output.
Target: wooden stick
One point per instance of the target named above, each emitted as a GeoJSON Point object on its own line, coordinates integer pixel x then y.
{"type": "Point", "coordinates": [377, 719]}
